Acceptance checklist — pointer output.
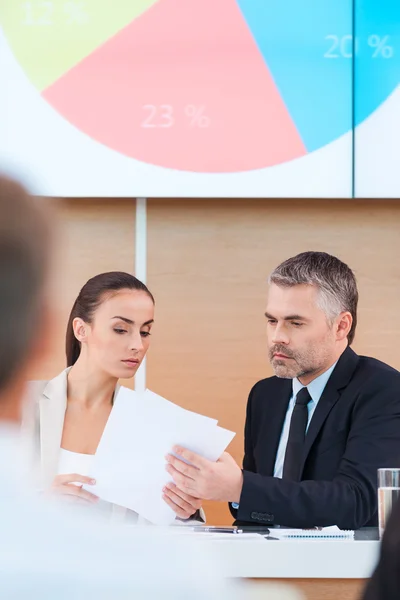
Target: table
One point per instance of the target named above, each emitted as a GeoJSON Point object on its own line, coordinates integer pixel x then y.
{"type": "Point", "coordinates": [322, 569]}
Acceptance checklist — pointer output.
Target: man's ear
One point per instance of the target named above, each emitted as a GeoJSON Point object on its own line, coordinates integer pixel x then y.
{"type": "Point", "coordinates": [343, 325]}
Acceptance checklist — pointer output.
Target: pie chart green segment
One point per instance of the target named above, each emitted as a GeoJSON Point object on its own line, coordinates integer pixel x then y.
{"type": "Point", "coordinates": [49, 38]}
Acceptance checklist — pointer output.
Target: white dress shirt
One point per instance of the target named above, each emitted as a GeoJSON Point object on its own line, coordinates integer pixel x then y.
{"type": "Point", "coordinates": [315, 389]}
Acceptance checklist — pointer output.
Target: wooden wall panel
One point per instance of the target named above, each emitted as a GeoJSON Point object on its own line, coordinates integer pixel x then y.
{"type": "Point", "coordinates": [208, 261]}
{"type": "Point", "coordinates": [95, 236]}
{"type": "Point", "coordinates": [319, 589]}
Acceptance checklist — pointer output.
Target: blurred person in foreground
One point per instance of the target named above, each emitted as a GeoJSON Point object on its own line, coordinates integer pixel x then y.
{"type": "Point", "coordinates": [43, 554]}
{"type": "Point", "coordinates": [385, 582]}
{"type": "Point", "coordinates": [317, 432]}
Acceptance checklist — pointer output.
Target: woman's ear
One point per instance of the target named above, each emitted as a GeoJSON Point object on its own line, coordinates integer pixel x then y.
{"type": "Point", "coordinates": [80, 329]}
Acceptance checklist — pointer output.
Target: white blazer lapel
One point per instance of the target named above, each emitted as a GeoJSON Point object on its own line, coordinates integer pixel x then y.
{"type": "Point", "coordinates": [53, 404]}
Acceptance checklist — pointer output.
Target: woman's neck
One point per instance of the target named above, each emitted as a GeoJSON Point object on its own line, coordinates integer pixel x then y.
{"type": "Point", "coordinates": [90, 386]}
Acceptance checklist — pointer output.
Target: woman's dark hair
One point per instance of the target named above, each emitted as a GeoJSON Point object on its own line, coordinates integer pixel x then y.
{"type": "Point", "coordinates": [93, 293]}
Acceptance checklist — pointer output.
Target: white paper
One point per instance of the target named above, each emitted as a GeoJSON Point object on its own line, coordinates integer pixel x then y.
{"type": "Point", "coordinates": [129, 465]}
{"type": "Point", "coordinates": [160, 402]}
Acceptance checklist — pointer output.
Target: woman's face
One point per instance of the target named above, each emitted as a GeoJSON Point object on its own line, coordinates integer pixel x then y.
{"type": "Point", "coordinates": [119, 336]}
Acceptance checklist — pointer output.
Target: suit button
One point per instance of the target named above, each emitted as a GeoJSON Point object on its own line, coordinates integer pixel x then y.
{"type": "Point", "coordinates": [254, 515]}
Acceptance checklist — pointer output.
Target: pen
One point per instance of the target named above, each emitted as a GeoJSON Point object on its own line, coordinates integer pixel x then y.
{"type": "Point", "coordinates": [217, 530]}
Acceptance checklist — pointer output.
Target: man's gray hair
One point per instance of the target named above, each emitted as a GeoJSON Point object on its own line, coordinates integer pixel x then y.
{"type": "Point", "coordinates": [334, 280]}
{"type": "Point", "coordinates": [24, 260]}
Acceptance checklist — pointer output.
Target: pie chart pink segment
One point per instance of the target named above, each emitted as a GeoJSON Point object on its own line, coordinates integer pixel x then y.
{"type": "Point", "coordinates": [185, 87]}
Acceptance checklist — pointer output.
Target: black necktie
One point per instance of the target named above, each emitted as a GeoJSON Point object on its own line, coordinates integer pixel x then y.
{"type": "Point", "coordinates": [297, 434]}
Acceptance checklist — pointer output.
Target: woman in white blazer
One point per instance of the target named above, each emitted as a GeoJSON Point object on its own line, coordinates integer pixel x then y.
{"type": "Point", "coordinates": [108, 335]}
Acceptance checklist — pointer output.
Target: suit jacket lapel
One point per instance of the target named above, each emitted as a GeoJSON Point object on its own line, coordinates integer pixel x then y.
{"type": "Point", "coordinates": [339, 379]}
{"type": "Point", "coordinates": [53, 404]}
{"type": "Point", "coordinates": [278, 405]}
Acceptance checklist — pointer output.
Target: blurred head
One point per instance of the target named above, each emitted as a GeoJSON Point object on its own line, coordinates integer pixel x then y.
{"type": "Point", "coordinates": [25, 248]}
{"type": "Point", "coordinates": [110, 323]}
{"type": "Point", "coordinates": [311, 314]}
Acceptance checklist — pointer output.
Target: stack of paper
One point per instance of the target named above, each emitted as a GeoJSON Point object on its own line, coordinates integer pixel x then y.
{"type": "Point", "coordinates": [129, 465]}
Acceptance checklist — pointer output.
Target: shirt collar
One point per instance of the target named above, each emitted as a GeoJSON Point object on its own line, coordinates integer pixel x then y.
{"type": "Point", "coordinates": [317, 385]}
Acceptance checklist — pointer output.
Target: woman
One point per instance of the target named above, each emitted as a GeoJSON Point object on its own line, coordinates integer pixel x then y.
{"type": "Point", "coordinates": [108, 335]}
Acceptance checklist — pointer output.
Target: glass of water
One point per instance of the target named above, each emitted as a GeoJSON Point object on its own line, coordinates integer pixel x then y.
{"type": "Point", "coordinates": [388, 494]}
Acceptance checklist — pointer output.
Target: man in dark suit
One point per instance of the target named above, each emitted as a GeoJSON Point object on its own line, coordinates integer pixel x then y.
{"type": "Point", "coordinates": [317, 432]}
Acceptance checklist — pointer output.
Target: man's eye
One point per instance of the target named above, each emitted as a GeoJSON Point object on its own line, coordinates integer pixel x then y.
{"type": "Point", "coordinates": [271, 321]}
{"type": "Point", "coordinates": [296, 324]}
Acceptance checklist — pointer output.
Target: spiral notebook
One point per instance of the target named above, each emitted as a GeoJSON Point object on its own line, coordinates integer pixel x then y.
{"type": "Point", "coordinates": [323, 533]}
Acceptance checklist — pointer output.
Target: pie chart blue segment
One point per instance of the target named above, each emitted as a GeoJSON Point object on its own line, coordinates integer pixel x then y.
{"type": "Point", "coordinates": [377, 64]}
{"type": "Point", "coordinates": [308, 48]}
{"type": "Point", "coordinates": [299, 40]}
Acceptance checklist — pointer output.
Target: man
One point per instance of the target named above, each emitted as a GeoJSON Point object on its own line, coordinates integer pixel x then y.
{"type": "Point", "coordinates": [317, 432]}
{"type": "Point", "coordinates": [44, 554]}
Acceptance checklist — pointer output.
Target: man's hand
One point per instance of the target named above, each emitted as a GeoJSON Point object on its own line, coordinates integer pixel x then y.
{"type": "Point", "coordinates": [221, 481]}
{"type": "Point", "coordinates": [181, 503]}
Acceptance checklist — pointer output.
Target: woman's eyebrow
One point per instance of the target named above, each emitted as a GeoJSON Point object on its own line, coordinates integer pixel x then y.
{"type": "Point", "coordinates": [130, 322]}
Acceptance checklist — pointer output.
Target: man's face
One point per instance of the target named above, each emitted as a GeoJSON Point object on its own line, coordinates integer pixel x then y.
{"type": "Point", "coordinates": [301, 341]}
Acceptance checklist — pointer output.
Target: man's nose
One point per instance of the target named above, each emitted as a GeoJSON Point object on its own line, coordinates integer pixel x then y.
{"type": "Point", "coordinates": [279, 335]}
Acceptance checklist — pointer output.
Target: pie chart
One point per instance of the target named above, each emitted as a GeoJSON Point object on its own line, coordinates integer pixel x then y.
{"type": "Point", "coordinates": [207, 86]}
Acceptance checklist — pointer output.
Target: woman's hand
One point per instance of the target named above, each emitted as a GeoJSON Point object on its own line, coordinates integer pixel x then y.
{"type": "Point", "coordinates": [71, 486]}
{"type": "Point", "coordinates": [184, 505]}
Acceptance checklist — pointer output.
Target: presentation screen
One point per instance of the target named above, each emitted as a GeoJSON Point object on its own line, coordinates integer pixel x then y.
{"type": "Point", "coordinates": [201, 98]}
{"type": "Point", "coordinates": [377, 99]}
